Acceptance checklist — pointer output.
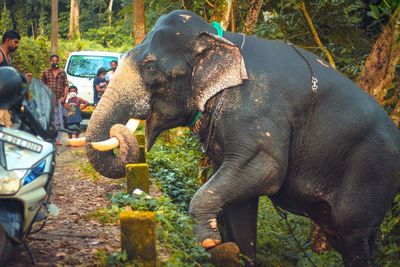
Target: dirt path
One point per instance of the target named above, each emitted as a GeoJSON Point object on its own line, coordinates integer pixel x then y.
{"type": "Point", "coordinates": [72, 238]}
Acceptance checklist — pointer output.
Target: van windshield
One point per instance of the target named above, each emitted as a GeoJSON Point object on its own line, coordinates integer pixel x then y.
{"type": "Point", "coordinates": [87, 65]}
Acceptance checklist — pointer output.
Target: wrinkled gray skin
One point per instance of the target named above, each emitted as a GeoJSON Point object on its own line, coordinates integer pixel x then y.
{"type": "Point", "coordinates": [340, 170]}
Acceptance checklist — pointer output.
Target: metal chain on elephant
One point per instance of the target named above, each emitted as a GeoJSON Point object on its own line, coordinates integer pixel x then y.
{"type": "Point", "coordinates": [303, 147]}
{"type": "Point", "coordinates": [306, 137]}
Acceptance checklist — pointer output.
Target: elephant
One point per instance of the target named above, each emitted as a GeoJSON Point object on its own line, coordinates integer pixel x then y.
{"type": "Point", "coordinates": [274, 119]}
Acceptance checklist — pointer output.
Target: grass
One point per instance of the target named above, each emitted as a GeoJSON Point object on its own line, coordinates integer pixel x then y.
{"type": "Point", "coordinates": [105, 215]}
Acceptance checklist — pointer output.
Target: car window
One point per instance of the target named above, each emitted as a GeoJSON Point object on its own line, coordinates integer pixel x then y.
{"type": "Point", "coordinates": [87, 66]}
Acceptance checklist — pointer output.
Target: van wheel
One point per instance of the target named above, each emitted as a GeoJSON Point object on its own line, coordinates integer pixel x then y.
{"type": "Point", "coordinates": [6, 247]}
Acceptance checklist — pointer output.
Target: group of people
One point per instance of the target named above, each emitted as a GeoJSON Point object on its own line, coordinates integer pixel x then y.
{"type": "Point", "coordinates": [68, 104]}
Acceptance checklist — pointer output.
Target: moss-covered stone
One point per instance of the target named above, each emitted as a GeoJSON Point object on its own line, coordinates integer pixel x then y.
{"type": "Point", "coordinates": [138, 236]}
{"type": "Point", "coordinates": [137, 176]}
{"type": "Point", "coordinates": [141, 139]}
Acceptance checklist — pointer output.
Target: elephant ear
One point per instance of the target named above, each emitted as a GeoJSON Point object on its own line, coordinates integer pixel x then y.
{"type": "Point", "coordinates": [219, 65]}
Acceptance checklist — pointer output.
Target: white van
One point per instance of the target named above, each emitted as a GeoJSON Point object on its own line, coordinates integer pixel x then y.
{"type": "Point", "coordinates": [81, 69]}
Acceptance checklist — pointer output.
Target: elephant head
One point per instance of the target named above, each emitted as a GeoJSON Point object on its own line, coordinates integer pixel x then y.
{"type": "Point", "coordinates": [166, 80]}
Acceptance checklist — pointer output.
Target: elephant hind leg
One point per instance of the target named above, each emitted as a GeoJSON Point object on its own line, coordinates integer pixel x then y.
{"type": "Point", "coordinates": [354, 247]}
{"type": "Point", "coordinates": [373, 242]}
{"type": "Point", "coordinates": [360, 202]}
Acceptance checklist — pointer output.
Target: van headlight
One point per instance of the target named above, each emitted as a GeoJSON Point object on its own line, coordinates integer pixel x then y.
{"type": "Point", "coordinates": [11, 182]}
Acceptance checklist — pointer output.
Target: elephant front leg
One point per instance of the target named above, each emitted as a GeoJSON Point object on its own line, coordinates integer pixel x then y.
{"type": "Point", "coordinates": [235, 181]}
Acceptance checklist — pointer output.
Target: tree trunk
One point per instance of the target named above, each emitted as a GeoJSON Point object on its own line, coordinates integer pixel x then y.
{"type": "Point", "coordinates": [76, 20]}
{"type": "Point", "coordinates": [71, 20]}
{"type": "Point", "coordinates": [315, 34]}
{"type": "Point", "coordinates": [222, 13]}
{"type": "Point", "coordinates": [73, 32]}
{"type": "Point", "coordinates": [138, 21]}
{"type": "Point", "coordinates": [252, 16]}
{"type": "Point", "coordinates": [54, 26]}
{"type": "Point", "coordinates": [380, 66]}
{"type": "Point", "coordinates": [110, 6]}
{"type": "Point", "coordinates": [233, 24]}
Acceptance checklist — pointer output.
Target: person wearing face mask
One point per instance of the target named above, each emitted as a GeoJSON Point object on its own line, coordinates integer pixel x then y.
{"type": "Point", "coordinates": [56, 79]}
{"type": "Point", "coordinates": [9, 45]}
{"type": "Point", "coordinates": [110, 73]}
{"type": "Point", "coordinates": [74, 106]}
{"type": "Point", "coordinates": [99, 85]}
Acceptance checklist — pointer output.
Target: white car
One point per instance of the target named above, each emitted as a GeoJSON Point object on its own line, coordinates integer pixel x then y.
{"type": "Point", "coordinates": [81, 69]}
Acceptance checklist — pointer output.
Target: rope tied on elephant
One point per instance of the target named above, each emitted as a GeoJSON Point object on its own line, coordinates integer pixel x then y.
{"type": "Point", "coordinates": [211, 115]}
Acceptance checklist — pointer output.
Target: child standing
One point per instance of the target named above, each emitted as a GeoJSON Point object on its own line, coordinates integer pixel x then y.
{"type": "Point", "coordinates": [99, 85]}
{"type": "Point", "coordinates": [74, 105]}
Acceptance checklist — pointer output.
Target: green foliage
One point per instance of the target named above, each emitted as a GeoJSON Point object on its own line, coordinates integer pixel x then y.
{"type": "Point", "coordinates": [174, 230]}
{"type": "Point", "coordinates": [116, 36]}
{"type": "Point", "coordinates": [5, 21]}
{"type": "Point", "coordinates": [89, 171]}
{"type": "Point", "coordinates": [389, 254]}
{"type": "Point", "coordinates": [32, 56]}
{"type": "Point", "coordinates": [174, 166]}
{"type": "Point", "coordinates": [114, 259]}
{"type": "Point", "coordinates": [383, 10]}
{"type": "Point", "coordinates": [154, 9]}
{"type": "Point", "coordinates": [284, 20]}
{"type": "Point", "coordinates": [277, 246]}
{"type": "Point", "coordinates": [105, 215]}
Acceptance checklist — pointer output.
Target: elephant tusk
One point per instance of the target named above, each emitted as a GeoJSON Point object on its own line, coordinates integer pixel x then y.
{"type": "Point", "coordinates": [77, 141]}
{"type": "Point", "coordinates": [132, 125]}
{"type": "Point", "coordinates": [106, 145]}
{"type": "Point", "coordinates": [113, 142]}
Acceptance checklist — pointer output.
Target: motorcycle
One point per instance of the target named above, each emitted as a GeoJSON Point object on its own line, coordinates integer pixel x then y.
{"type": "Point", "coordinates": [27, 160]}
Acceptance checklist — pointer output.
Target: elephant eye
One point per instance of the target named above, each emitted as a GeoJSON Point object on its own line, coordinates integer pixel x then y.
{"type": "Point", "coordinates": [151, 68]}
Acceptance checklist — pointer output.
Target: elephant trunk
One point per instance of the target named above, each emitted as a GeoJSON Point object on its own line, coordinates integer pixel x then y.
{"type": "Point", "coordinates": [125, 98]}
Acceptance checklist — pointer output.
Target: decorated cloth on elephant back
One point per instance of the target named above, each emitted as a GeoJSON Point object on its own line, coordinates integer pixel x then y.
{"type": "Point", "coordinates": [330, 153]}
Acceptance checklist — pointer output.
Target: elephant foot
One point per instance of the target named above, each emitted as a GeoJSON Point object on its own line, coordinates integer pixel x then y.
{"type": "Point", "coordinates": [208, 233]}
{"type": "Point", "coordinates": [226, 254]}
{"type": "Point", "coordinates": [210, 243]}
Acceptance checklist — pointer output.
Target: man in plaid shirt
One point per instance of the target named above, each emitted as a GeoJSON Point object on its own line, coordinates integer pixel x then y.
{"type": "Point", "coordinates": [56, 79]}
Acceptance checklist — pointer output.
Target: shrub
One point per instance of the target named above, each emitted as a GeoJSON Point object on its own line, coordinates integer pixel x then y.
{"type": "Point", "coordinates": [174, 167]}
{"type": "Point", "coordinates": [32, 55]}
